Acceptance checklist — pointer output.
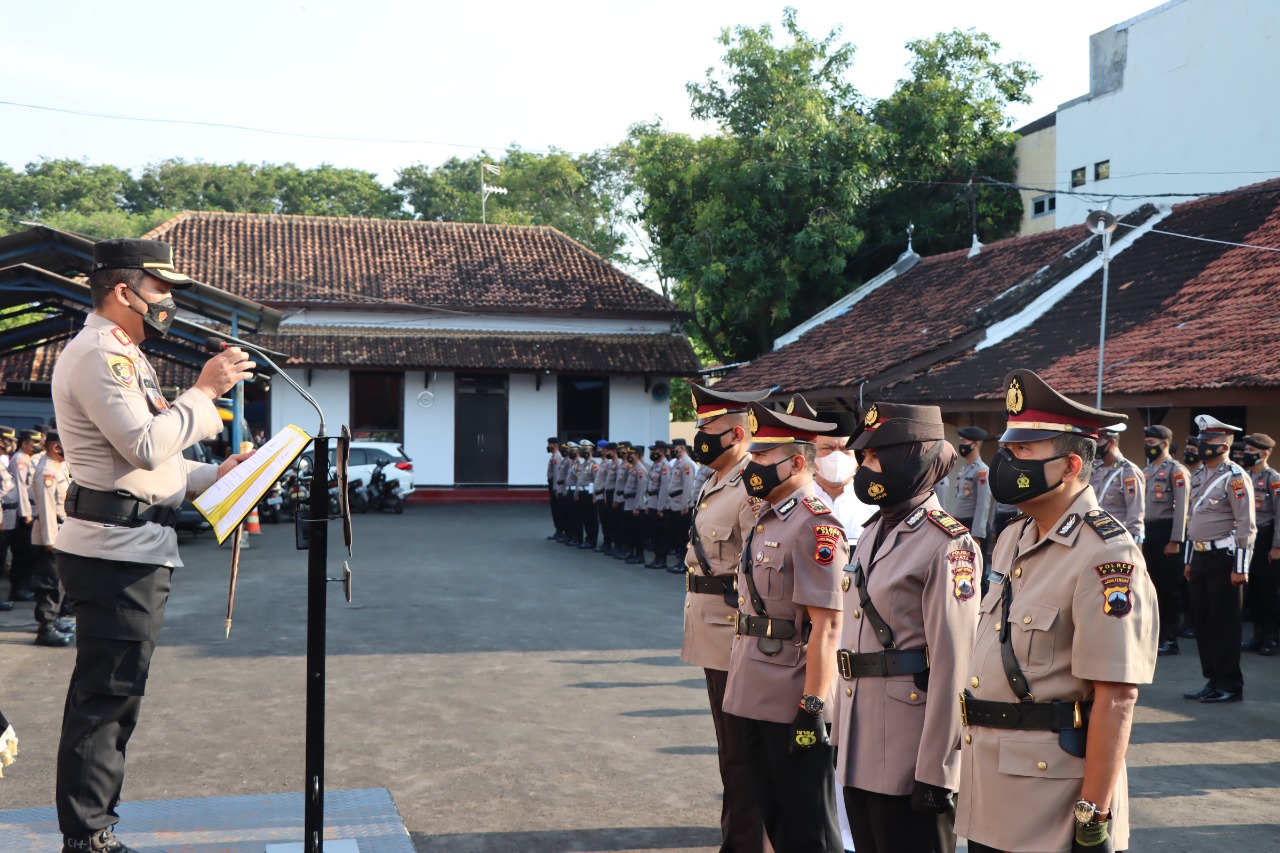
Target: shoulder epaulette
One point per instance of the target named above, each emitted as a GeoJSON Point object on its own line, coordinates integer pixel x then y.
{"type": "Point", "coordinates": [948, 525]}
{"type": "Point", "coordinates": [815, 505]}
{"type": "Point", "coordinates": [1103, 523]}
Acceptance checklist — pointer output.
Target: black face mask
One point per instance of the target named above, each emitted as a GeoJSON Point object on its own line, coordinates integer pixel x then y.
{"type": "Point", "coordinates": [1211, 451]}
{"type": "Point", "coordinates": [550, 449]}
{"type": "Point", "coordinates": [1015, 480]}
{"type": "Point", "coordinates": [1191, 455]}
{"type": "Point", "coordinates": [653, 457]}
{"type": "Point", "coordinates": [1248, 460]}
{"type": "Point", "coordinates": [964, 449]}
{"type": "Point", "coordinates": [1105, 448]}
{"type": "Point", "coordinates": [1153, 453]}
{"type": "Point", "coordinates": [708, 446]}
{"type": "Point", "coordinates": [761, 480]}
{"type": "Point", "coordinates": [889, 488]}
{"type": "Point", "coordinates": [158, 317]}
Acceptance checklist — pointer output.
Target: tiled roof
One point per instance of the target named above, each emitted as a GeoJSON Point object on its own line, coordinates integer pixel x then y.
{"type": "Point", "coordinates": [396, 264]}
{"type": "Point", "coordinates": [356, 347]}
{"type": "Point", "coordinates": [1181, 315]}
{"type": "Point", "coordinates": [932, 304]}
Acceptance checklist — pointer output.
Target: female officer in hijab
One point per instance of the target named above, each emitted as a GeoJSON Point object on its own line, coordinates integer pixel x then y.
{"type": "Point", "coordinates": [911, 609]}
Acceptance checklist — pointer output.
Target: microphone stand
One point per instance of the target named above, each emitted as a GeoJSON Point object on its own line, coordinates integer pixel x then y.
{"type": "Point", "coordinates": [317, 583]}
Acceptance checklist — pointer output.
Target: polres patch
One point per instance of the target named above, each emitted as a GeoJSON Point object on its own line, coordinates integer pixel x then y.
{"type": "Point", "coordinates": [962, 580]}
{"type": "Point", "coordinates": [1117, 596]}
{"type": "Point", "coordinates": [1237, 488]}
{"type": "Point", "coordinates": [1130, 485]}
{"type": "Point", "coordinates": [828, 539]}
{"type": "Point", "coordinates": [122, 369]}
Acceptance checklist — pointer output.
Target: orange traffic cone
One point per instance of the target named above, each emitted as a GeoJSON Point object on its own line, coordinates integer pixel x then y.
{"type": "Point", "coordinates": [252, 525]}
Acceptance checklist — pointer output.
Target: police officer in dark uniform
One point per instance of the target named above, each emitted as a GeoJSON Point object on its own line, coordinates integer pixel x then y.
{"type": "Point", "coordinates": [118, 547]}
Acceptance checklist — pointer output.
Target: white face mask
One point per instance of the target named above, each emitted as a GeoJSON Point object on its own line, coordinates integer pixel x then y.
{"type": "Point", "coordinates": [836, 466]}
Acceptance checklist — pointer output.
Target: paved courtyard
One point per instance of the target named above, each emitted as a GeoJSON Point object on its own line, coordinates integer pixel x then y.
{"type": "Point", "coordinates": [517, 695]}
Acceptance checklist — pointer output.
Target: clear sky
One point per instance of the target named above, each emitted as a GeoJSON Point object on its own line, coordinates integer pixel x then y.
{"type": "Point", "coordinates": [450, 76]}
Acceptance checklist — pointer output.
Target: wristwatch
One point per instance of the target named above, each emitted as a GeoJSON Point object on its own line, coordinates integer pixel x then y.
{"type": "Point", "coordinates": [1087, 812]}
{"type": "Point", "coordinates": [812, 705]}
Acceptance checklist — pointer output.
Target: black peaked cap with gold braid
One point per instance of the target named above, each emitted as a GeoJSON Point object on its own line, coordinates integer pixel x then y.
{"type": "Point", "coordinates": [153, 257]}
{"type": "Point", "coordinates": [1037, 412]}
{"type": "Point", "coordinates": [710, 404]}
{"type": "Point", "coordinates": [770, 428]}
{"type": "Point", "coordinates": [887, 424]}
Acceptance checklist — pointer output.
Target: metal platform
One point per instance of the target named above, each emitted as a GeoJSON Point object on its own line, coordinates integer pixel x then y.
{"type": "Point", "coordinates": [226, 824]}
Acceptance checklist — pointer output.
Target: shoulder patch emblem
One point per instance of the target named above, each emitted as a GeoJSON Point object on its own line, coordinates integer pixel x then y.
{"type": "Point", "coordinates": [916, 518]}
{"type": "Point", "coordinates": [1275, 487]}
{"type": "Point", "coordinates": [122, 369]}
{"type": "Point", "coordinates": [1117, 596]}
{"type": "Point", "coordinates": [961, 574]}
{"type": "Point", "coordinates": [949, 525]}
{"type": "Point", "coordinates": [982, 478]}
{"type": "Point", "coordinates": [815, 505]}
{"type": "Point", "coordinates": [48, 481]}
{"type": "Point", "coordinates": [122, 336]}
{"type": "Point", "coordinates": [1130, 485]}
{"type": "Point", "coordinates": [1103, 524]}
{"type": "Point", "coordinates": [786, 507]}
{"type": "Point", "coordinates": [1237, 488]}
{"type": "Point", "coordinates": [1179, 480]}
{"type": "Point", "coordinates": [1072, 522]}
{"type": "Point", "coordinates": [828, 537]}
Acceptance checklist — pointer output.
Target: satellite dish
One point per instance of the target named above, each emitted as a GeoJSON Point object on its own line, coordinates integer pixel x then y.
{"type": "Point", "coordinates": [425, 399]}
{"type": "Point", "coordinates": [661, 391]}
{"type": "Point", "coordinates": [1100, 222]}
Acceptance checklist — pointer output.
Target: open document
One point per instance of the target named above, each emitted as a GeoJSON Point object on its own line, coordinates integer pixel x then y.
{"type": "Point", "coordinates": [228, 501]}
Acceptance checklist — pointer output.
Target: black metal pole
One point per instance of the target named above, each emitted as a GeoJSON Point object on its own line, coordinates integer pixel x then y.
{"type": "Point", "coordinates": [317, 582]}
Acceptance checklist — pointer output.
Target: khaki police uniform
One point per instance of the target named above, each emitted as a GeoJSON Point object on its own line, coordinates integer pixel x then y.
{"type": "Point", "coordinates": [8, 513]}
{"type": "Point", "coordinates": [19, 518]}
{"type": "Point", "coordinates": [973, 497]}
{"type": "Point", "coordinates": [1121, 492]}
{"type": "Point", "coordinates": [655, 504]}
{"type": "Point", "coordinates": [633, 509]}
{"type": "Point", "coordinates": [681, 498]}
{"type": "Point", "coordinates": [1220, 540]}
{"type": "Point", "coordinates": [48, 497]}
{"type": "Point", "coordinates": [1082, 610]}
{"type": "Point", "coordinates": [1168, 489]}
{"type": "Point", "coordinates": [552, 499]}
{"type": "Point", "coordinates": [1263, 591]}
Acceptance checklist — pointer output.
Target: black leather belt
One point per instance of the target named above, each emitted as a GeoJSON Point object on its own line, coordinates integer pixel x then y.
{"type": "Point", "coordinates": [881, 663]}
{"type": "Point", "coordinates": [765, 626]}
{"type": "Point", "coordinates": [10, 505]}
{"type": "Point", "coordinates": [118, 508]}
{"type": "Point", "coordinates": [710, 584]}
{"type": "Point", "coordinates": [1038, 716]}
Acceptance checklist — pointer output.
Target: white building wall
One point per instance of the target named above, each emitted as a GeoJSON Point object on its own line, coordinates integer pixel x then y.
{"type": "Point", "coordinates": [634, 415]}
{"type": "Point", "coordinates": [332, 391]}
{"type": "Point", "coordinates": [531, 416]}
{"type": "Point", "coordinates": [1178, 103]}
{"type": "Point", "coordinates": [429, 431]}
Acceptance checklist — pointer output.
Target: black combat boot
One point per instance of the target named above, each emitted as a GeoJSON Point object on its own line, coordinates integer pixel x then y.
{"type": "Point", "coordinates": [102, 841]}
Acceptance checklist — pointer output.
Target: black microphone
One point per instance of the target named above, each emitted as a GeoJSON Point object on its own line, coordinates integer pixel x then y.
{"type": "Point", "coordinates": [217, 345]}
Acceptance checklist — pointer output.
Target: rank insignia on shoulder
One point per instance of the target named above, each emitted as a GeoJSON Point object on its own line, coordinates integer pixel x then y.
{"type": "Point", "coordinates": [815, 505]}
{"type": "Point", "coordinates": [122, 336]}
{"type": "Point", "coordinates": [1103, 524]}
{"type": "Point", "coordinates": [949, 525]}
{"type": "Point", "coordinates": [1071, 523]}
{"type": "Point", "coordinates": [1117, 597]}
{"type": "Point", "coordinates": [786, 506]}
{"type": "Point", "coordinates": [828, 537]}
{"type": "Point", "coordinates": [916, 518]}
{"type": "Point", "coordinates": [122, 369]}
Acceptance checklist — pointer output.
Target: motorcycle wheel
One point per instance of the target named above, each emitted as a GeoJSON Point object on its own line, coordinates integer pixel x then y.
{"type": "Point", "coordinates": [397, 505]}
{"type": "Point", "coordinates": [358, 504]}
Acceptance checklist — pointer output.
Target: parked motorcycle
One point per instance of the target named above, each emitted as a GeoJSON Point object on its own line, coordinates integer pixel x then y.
{"type": "Point", "coordinates": [272, 503]}
{"type": "Point", "coordinates": [355, 496]}
{"type": "Point", "coordinates": [384, 493]}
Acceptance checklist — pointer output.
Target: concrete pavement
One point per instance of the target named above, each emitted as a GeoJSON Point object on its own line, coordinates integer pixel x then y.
{"type": "Point", "coordinates": [517, 695]}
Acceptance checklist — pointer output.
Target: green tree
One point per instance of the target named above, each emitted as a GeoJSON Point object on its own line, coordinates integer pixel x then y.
{"type": "Point", "coordinates": [756, 224]}
{"type": "Point", "coordinates": [555, 189]}
{"type": "Point", "coordinates": [947, 129]}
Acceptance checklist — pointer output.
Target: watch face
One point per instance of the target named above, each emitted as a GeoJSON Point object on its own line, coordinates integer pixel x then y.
{"type": "Point", "coordinates": [1085, 812]}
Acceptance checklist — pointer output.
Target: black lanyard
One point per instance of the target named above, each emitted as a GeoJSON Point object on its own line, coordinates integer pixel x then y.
{"type": "Point", "coordinates": [1013, 672]}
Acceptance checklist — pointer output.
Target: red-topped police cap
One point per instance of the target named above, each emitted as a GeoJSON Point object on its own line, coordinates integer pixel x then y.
{"type": "Point", "coordinates": [896, 423]}
{"type": "Point", "coordinates": [710, 404]}
{"type": "Point", "coordinates": [153, 257]}
{"type": "Point", "coordinates": [1037, 412]}
{"type": "Point", "coordinates": [770, 428]}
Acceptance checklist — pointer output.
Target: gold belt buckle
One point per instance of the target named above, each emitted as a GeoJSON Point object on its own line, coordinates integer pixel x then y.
{"type": "Point", "coordinates": [964, 710]}
{"type": "Point", "coordinates": [688, 581]}
{"type": "Point", "coordinates": [845, 662]}
{"type": "Point", "coordinates": [1077, 719]}
{"type": "Point", "coordinates": [1201, 547]}
{"type": "Point", "coordinates": [737, 624]}
{"type": "Point", "coordinates": [768, 629]}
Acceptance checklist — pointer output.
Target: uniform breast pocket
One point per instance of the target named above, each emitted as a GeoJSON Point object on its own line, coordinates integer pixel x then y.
{"type": "Point", "coordinates": [1040, 758]}
{"type": "Point", "coordinates": [769, 581]}
{"type": "Point", "coordinates": [1033, 636]}
{"type": "Point", "coordinates": [728, 553]}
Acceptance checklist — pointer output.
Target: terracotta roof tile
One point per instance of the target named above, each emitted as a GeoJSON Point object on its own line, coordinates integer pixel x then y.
{"type": "Point", "coordinates": [930, 305]}
{"type": "Point", "coordinates": [299, 260]}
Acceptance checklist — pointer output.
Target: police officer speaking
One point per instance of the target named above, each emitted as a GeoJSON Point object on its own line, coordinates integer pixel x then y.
{"type": "Point", "coordinates": [118, 547]}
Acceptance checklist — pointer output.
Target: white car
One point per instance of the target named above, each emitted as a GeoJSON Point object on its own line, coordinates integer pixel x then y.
{"type": "Point", "coordinates": [367, 454]}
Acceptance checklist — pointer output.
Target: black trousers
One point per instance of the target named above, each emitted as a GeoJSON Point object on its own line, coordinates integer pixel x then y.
{"type": "Point", "coordinates": [678, 531]}
{"type": "Point", "coordinates": [607, 518]}
{"type": "Point", "coordinates": [555, 508]}
{"type": "Point", "coordinates": [119, 613]}
{"type": "Point", "coordinates": [45, 584]}
{"type": "Point", "coordinates": [885, 823]}
{"type": "Point", "coordinates": [590, 523]}
{"type": "Point", "coordinates": [1262, 593]}
{"type": "Point", "coordinates": [658, 534]}
{"type": "Point", "coordinates": [740, 823]}
{"type": "Point", "coordinates": [1166, 574]}
{"type": "Point", "coordinates": [573, 521]}
{"type": "Point", "coordinates": [1215, 614]}
{"type": "Point", "coordinates": [20, 568]}
{"type": "Point", "coordinates": [796, 790]}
